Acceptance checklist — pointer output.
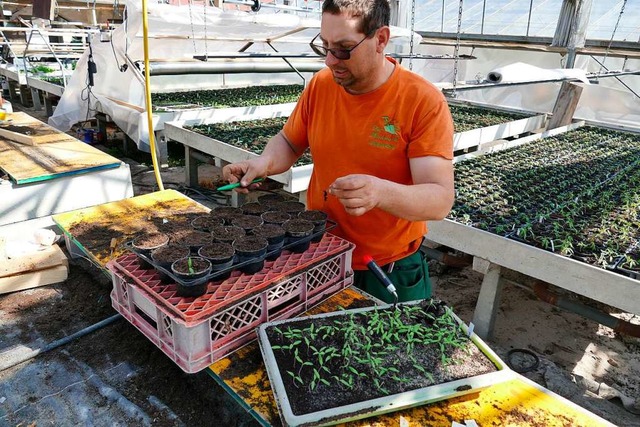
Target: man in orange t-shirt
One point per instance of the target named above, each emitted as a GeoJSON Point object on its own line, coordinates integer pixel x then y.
{"type": "Point", "coordinates": [381, 138]}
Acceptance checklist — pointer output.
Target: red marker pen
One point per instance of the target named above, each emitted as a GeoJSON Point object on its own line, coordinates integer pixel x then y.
{"type": "Point", "coordinates": [380, 275]}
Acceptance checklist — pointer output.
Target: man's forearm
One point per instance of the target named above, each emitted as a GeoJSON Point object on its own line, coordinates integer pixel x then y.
{"type": "Point", "coordinates": [280, 154]}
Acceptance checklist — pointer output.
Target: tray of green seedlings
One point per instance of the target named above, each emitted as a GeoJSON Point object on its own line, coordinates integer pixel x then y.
{"type": "Point", "coordinates": [576, 194]}
{"type": "Point", "coordinates": [474, 125]}
{"type": "Point", "coordinates": [227, 97]}
{"type": "Point", "coordinates": [346, 365]}
{"type": "Point", "coordinates": [252, 135]}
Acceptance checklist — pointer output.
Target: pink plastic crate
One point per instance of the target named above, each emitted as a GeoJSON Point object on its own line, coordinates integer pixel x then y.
{"type": "Point", "coordinates": [196, 332]}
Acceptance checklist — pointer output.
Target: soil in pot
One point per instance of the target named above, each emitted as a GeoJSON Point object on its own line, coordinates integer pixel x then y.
{"type": "Point", "coordinates": [164, 256]}
{"type": "Point", "coordinates": [193, 239]}
{"type": "Point", "coordinates": [270, 199]}
{"type": "Point", "coordinates": [252, 251]}
{"type": "Point", "coordinates": [275, 217]}
{"type": "Point", "coordinates": [221, 256]}
{"type": "Point", "coordinates": [227, 233]}
{"type": "Point", "coordinates": [227, 213]}
{"type": "Point", "coordinates": [255, 208]}
{"type": "Point", "coordinates": [145, 243]}
{"type": "Point", "coordinates": [298, 234]}
{"type": "Point", "coordinates": [206, 222]}
{"type": "Point", "coordinates": [319, 220]}
{"type": "Point", "coordinates": [247, 222]}
{"type": "Point", "coordinates": [333, 361]}
{"type": "Point", "coordinates": [290, 206]}
{"type": "Point", "coordinates": [274, 234]}
{"type": "Point", "coordinates": [188, 270]}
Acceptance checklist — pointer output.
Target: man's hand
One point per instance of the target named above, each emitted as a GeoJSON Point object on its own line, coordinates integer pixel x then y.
{"type": "Point", "coordinates": [245, 172]}
{"type": "Point", "coordinates": [357, 193]}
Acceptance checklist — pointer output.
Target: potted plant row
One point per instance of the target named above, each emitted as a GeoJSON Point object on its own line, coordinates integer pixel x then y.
{"type": "Point", "coordinates": [576, 194]}
{"type": "Point", "coordinates": [228, 97]}
{"type": "Point", "coordinates": [228, 239]}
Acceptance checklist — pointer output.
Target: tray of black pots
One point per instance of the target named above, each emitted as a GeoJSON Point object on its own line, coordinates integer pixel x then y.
{"type": "Point", "coordinates": [216, 261]}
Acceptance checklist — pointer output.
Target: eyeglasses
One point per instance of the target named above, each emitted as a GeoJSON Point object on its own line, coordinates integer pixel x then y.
{"type": "Point", "coordinates": [341, 54]}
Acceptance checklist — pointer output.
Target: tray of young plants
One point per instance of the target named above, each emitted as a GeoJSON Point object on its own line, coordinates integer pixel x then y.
{"type": "Point", "coordinates": [253, 135]}
{"type": "Point", "coordinates": [629, 263]}
{"type": "Point", "coordinates": [342, 366]}
{"type": "Point", "coordinates": [576, 194]}
{"type": "Point", "coordinates": [227, 98]}
{"type": "Point", "coordinates": [192, 271]}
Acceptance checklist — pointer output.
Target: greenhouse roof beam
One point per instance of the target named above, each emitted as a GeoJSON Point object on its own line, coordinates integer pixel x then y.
{"type": "Point", "coordinates": [596, 47]}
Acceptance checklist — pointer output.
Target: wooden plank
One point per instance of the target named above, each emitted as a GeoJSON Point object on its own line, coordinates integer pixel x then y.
{"type": "Point", "coordinates": [565, 105]}
{"type": "Point", "coordinates": [20, 127]}
{"type": "Point", "coordinates": [27, 164]}
{"type": "Point", "coordinates": [34, 279]}
{"type": "Point", "coordinates": [50, 256]}
{"type": "Point", "coordinates": [576, 276]}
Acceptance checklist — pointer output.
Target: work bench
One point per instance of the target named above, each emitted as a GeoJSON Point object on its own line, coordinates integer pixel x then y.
{"type": "Point", "coordinates": [242, 373]}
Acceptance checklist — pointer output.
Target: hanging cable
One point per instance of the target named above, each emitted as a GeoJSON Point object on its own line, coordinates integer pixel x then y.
{"type": "Point", "coordinates": [206, 51]}
{"type": "Point", "coordinates": [456, 51]}
{"type": "Point", "coordinates": [193, 32]}
{"type": "Point", "coordinates": [615, 28]}
{"type": "Point", "coordinates": [413, 23]}
{"type": "Point", "coordinates": [147, 92]}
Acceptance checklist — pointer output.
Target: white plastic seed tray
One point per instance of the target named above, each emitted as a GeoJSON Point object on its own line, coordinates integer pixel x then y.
{"type": "Point", "coordinates": [382, 405]}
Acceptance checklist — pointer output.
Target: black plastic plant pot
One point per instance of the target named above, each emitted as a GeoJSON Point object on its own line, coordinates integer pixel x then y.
{"type": "Point", "coordinates": [275, 217]}
{"type": "Point", "coordinates": [255, 208]}
{"type": "Point", "coordinates": [247, 222]}
{"type": "Point", "coordinates": [227, 213]}
{"type": "Point", "coordinates": [275, 235]}
{"type": "Point", "coordinates": [298, 234]}
{"type": "Point", "coordinates": [221, 255]}
{"type": "Point", "coordinates": [319, 220]}
{"type": "Point", "coordinates": [206, 222]}
{"type": "Point", "coordinates": [250, 253]}
{"type": "Point", "coordinates": [227, 233]}
{"type": "Point", "coordinates": [270, 199]}
{"type": "Point", "coordinates": [193, 239]}
{"type": "Point", "coordinates": [146, 243]}
{"type": "Point", "coordinates": [290, 206]}
{"type": "Point", "coordinates": [188, 270]}
{"type": "Point", "coordinates": [164, 256]}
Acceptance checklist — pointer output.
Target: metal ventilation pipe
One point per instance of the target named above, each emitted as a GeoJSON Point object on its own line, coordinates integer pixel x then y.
{"type": "Point", "coordinates": [211, 67]}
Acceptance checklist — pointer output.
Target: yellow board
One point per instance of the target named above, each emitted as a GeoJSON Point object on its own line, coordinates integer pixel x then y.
{"type": "Point", "coordinates": [101, 230]}
{"type": "Point", "coordinates": [62, 157]}
{"type": "Point", "coordinates": [517, 402]}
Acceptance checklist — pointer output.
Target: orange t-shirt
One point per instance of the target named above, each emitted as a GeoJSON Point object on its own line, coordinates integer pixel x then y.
{"type": "Point", "coordinates": [374, 133]}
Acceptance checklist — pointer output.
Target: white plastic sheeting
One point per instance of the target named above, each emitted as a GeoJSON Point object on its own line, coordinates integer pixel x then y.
{"type": "Point", "coordinates": [520, 72]}
{"type": "Point", "coordinates": [178, 33]}
{"type": "Point", "coordinates": [609, 102]}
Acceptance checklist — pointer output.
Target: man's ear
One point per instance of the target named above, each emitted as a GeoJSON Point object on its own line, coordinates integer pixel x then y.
{"type": "Point", "coordinates": [383, 34]}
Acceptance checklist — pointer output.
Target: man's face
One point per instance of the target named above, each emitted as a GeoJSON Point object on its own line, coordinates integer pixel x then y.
{"type": "Point", "coordinates": [340, 32]}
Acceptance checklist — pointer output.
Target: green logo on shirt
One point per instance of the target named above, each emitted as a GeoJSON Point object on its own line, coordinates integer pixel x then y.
{"type": "Point", "coordinates": [388, 125]}
{"type": "Point", "coordinates": [385, 136]}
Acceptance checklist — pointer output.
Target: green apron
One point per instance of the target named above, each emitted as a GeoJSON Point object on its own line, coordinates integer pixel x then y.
{"type": "Point", "coordinates": [410, 276]}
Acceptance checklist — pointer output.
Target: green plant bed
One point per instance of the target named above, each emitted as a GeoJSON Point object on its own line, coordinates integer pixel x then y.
{"type": "Point", "coordinates": [575, 194]}
{"type": "Point", "coordinates": [253, 135]}
{"type": "Point", "coordinates": [347, 365]}
{"type": "Point", "coordinates": [226, 98]}
{"type": "Point", "coordinates": [467, 118]}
